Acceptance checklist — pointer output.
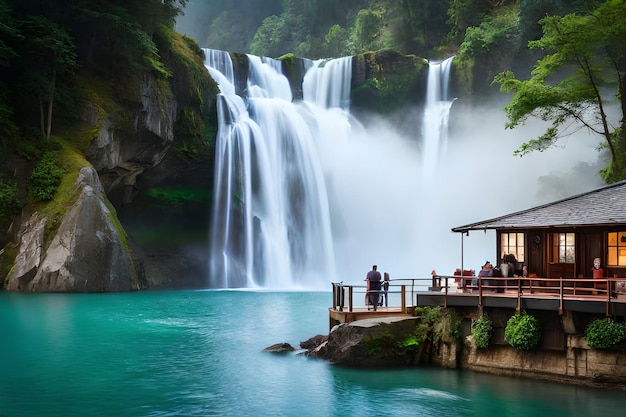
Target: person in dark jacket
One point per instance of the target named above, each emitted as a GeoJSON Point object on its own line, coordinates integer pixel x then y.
{"type": "Point", "coordinates": [374, 280]}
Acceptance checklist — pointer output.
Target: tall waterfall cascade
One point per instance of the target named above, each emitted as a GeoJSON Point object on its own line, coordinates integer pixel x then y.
{"type": "Point", "coordinates": [436, 115]}
{"type": "Point", "coordinates": [271, 224]}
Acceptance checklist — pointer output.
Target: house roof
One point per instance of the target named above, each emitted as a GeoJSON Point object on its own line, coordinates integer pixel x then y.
{"type": "Point", "coordinates": [604, 206]}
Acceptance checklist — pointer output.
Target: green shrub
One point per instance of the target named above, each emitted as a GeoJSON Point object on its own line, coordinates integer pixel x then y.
{"type": "Point", "coordinates": [9, 200]}
{"type": "Point", "coordinates": [430, 314]}
{"type": "Point", "coordinates": [522, 331]}
{"type": "Point", "coordinates": [45, 178]}
{"type": "Point", "coordinates": [605, 333]}
{"type": "Point", "coordinates": [481, 332]}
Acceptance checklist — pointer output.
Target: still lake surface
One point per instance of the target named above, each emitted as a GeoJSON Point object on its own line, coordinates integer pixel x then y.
{"type": "Point", "coordinates": [200, 353]}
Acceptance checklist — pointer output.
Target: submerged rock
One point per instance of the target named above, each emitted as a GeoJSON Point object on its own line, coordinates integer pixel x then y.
{"type": "Point", "coordinates": [279, 348]}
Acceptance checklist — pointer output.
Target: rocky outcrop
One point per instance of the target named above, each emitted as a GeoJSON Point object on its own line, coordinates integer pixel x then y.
{"type": "Point", "coordinates": [120, 154]}
{"type": "Point", "coordinates": [88, 253]}
{"type": "Point", "coordinates": [386, 82]}
{"type": "Point", "coordinates": [370, 343]}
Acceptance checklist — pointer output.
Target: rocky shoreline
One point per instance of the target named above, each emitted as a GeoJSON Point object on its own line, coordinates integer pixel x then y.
{"type": "Point", "coordinates": [382, 343]}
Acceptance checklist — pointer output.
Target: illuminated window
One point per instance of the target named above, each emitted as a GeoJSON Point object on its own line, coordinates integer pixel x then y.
{"type": "Point", "coordinates": [617, 248]}
{"type": "Point", "coordinates": [513, 244]}
{"type": "Point", "coordinates": [563, 248]}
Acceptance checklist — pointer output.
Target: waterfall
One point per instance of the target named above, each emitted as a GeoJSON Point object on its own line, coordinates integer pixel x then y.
{"type": "Point", "coordinates": [271, 224]}
{"type": "Point", "coordinates": [304, 195]}
{"type": "Point", "coordinates": [436, 114]}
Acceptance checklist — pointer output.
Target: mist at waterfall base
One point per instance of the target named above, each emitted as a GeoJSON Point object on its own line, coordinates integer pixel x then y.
{"type": "Point", "coordinates": [400, 217]}
{"type": "Point", "coordinates": [392, 204]}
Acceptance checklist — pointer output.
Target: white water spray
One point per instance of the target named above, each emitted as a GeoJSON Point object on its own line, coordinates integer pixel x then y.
{"type": "Point", "coordinates": [303, 196]}
{"type": "Point", "coordinates": [271, 223]}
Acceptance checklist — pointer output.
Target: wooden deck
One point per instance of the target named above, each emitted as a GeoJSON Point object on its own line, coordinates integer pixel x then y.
{"type": "Point", "coordinates": [598, 296]}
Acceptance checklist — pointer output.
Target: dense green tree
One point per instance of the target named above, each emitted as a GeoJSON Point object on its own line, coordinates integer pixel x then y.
{"type": "Point", "coordinates": [9, 36]}
{"type": "Point", "coordinates": [225, 24]}
{"type": "Point", "coordinates": [335, 41]}
{"type": "Point", "coordinates": [279, 35]}
{"type": "Point", "coordinates": [464, 14]}
{"type": "Point", "coordinates": [586, 56]}
{"type": "Point", "coordinates": [418, 27]}
{"type": "Point", "coordinates": [51, 55]}
{"type": "Point", "coordinates": [369, 31]}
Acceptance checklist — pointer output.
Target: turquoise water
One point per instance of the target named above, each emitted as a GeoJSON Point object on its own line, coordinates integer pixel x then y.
{"type": "Point", "coordinates": [200, 353]}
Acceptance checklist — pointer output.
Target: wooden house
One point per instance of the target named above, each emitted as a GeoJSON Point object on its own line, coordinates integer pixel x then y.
{"type": "Point", "coordinates": [562, 238]}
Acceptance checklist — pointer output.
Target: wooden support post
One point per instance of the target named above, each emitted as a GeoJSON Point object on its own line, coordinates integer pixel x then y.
{"type": "Point", "coordinates": [403, 298]}
{"type": "Point", "coordinates": [560, 296]}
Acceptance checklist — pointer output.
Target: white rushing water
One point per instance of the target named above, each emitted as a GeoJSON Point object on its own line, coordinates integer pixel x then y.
{"type": "Point", "coordinates": [436, 116]}
{"type": "Point", "coordinates": [305, 196]}
{"type": "Point", "coordinates": [271, 223]}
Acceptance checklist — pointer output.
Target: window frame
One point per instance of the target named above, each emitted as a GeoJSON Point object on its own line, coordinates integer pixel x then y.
{"type": "Point", "coordinates": [505, 248]}
{"type": "Point", "coordinates": [616, 250]}
{"type": "Point", "coordinates": [563, 251]}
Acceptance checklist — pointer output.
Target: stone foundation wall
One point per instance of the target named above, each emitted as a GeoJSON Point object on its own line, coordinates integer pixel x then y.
{"type": "Point", "coordinates": [577, 364]}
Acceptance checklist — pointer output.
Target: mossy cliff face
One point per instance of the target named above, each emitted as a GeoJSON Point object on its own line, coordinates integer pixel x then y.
{"type": "Point", "coordinates": [384, 82]}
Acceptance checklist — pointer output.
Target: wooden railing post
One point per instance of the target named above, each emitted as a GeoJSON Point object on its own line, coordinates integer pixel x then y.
{"type": "Point", "coordinates": [560, 296]}
{"type": "Point", "coordinates": [350, 293]}
{"type": "Point", "coordinates": [403, 298]}
{"type": "Point", "coordinates": [608, 298]}
{"type": "Point", "coordinates": [480, 296]}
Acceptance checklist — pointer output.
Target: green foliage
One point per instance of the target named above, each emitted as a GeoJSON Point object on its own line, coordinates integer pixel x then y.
{"type": "Point", "coordinates": [429, 315]}
{"type": "Point", "coordinates": [45, 178]}
{"type": "Point", "coordinates": [368, 30]}
{"type": "Point", "coordinates": [605, 333]}
{"type": "Point", "coordinates": [336, 40]}
{"type": "Point", "coordinates": [174, 196]}
{"type": "Point", "coordinates": [464, 14]}
{"type": "Point", "coordinates": [495, 34]}
{"type": "Point", "coordinates": [9, 200]}
{"type": "Point", "coordinates": [482, 329]}
{"type": "Point", "coordinates": [522, 331]}
{"type": "Point", "coordinates": [585, 55]}
{"type": "Point", "coordinates": [531, 11]}
{"type": "Point", "coordinates": [444, 323]}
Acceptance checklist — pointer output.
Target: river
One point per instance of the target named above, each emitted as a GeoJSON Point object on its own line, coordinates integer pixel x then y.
{"type": "Point", "coordinates": [200, 353]}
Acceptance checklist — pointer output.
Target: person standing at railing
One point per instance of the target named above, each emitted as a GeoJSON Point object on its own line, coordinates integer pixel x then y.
{"type": "Point", "coordinates": [385, 290]}
{"type": "Point", "coordinates": [374, 280]}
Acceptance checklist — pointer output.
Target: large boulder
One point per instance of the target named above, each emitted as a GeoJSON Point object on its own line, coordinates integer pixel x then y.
{"type": "Point", "coordinates": [371, 343]}
{"type": "Point", "coordinates": [88, 253]}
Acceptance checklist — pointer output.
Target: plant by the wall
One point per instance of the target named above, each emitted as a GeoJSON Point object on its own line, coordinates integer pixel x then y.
{"type": "Point", "coordinates": [605, 333]}
{"type": "Point", "coordinates": [522, 331]}
{"type": "Point", "coordinates": [481, 332]}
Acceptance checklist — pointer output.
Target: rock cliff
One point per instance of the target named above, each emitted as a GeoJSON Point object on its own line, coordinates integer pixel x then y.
{"type": "Point", "coordinates": [88, 253]}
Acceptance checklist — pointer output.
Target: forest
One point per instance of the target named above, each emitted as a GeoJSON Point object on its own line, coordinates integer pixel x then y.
{"type": "Point", "coordinates": [570, 56]}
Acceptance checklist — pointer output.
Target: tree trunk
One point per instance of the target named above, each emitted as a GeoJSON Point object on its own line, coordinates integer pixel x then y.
{"type": "Point", "coordinates": [50, 103]}
{"type": "Point", "coordinates": [41, 118]}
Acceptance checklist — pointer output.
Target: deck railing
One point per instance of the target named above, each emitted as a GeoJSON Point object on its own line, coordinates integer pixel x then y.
{"type": "Point", "coordinates": [346, 297]}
